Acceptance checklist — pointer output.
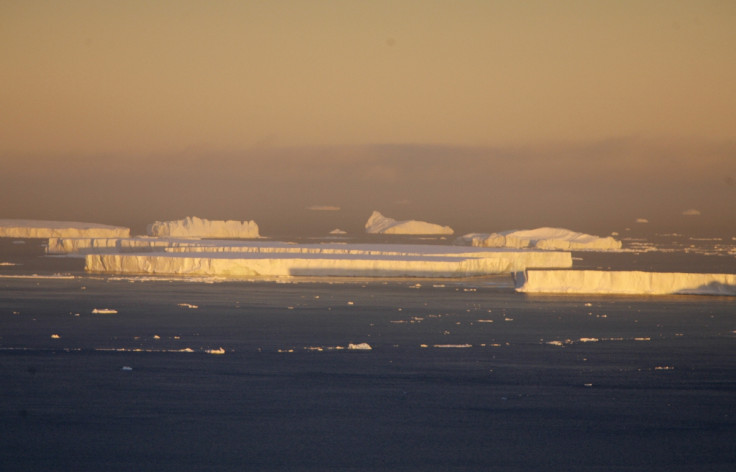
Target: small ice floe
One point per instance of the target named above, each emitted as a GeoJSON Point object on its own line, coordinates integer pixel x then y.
{"type": "Point", "coordinates": [555, 343]}
{"type": "Point", "coordinates": [285, 350]}
{"type": "Point", "coordinates": [156, 336]}
{"type": "Point", "coordinates": [127, 368]}
{"type": "Point", "coordinates": [8, 264]}
{"type": "Point", "coordinates": [508, 319]}
{"type": "Point", "coordinates": [452, 346]}
{"type": "Point", "coordinates": [215, 351]}
{"type": "Point", "coordinates": [664, 367]}
{"type": "Point", "coordinates": [589, 340]}
{"type": "Point", "coordinates": [104, 311]}
{"type": "Point", "coordinates": [588, 304]}
{"type": "Point", "coordinates": [360, 347]}
{"type": "Point", "coordinates": [485, 321]}
{"type": "Point", "coordinates": [16, 313]}
{"type": "Point", "coordinates": [351, 303]}
{"type": "Point", "coordinates": [55, 336]}
{"type": "Point", "coordinates": [188, 305]}
{"type": "Point", "coordinates": [642, 339]}
{"type": "Point", "coordinates": [588, 385]}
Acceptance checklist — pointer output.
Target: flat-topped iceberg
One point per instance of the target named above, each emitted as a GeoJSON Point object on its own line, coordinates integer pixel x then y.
{"type": "Point", "coordinates": [625, 282]}
{"type": "Point", "coordinates": [193, 227]}
{"type": "Point", "coordinates": [541, 238]}
{"type": "Point", "coordinates": [276, 259]}
{"type": "Point", "coordinates": [59, 229]}
{"type": "Point", "coordinates": [379, 224]}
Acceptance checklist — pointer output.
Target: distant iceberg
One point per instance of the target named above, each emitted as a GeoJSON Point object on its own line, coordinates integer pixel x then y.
{"type": "Point", "coordinates": [625, 282]}
{"type": "Point", "coordinates": [541, 238]}
{"type": "Point", "coordinates": [59, 229]}
{"type": "Point", "coordinates": [379, 224]}
{"type": "Point", "coordinates": [193, 227]}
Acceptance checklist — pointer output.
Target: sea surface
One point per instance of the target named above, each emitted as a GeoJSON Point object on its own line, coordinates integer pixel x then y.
{"type": "Point", "coordinates": [125, 373]}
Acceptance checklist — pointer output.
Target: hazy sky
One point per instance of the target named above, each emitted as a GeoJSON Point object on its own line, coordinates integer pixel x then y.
{"type": "Point", "coordinates": [227, 87]}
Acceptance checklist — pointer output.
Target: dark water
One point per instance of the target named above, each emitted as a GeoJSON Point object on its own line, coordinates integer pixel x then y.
{"type": "Point", "coordinates": [548, 383]}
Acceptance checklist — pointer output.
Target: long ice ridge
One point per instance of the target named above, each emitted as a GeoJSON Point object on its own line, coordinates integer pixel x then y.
{"type": "Point", "coordinates": [625, 282]}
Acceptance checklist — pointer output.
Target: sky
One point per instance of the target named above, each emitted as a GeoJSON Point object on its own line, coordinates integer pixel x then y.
{"type": "Point", "coordinates": [486, 115]}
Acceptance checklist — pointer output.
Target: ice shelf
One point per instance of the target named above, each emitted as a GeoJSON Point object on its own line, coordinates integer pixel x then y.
{"type": "Point", "coordinates": [541, 238]}
{"type": "Point", "coordinates": [54, 229]}
{"type": "Point", "coordinates": [625, 282]}
{"type": "Point", "coordinates": [379, 224]}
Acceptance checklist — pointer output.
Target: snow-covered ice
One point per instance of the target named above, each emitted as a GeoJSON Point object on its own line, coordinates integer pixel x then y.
{"type": "Point", "coordinates": [193, 227]}
{"type": "Point", "coordinates": [625, 282]}
{"type": "Point", "coordinates": [104, 311]}
{"type": "Point", "coordinates": [541, 238]}
{"type": "Point", "coordinates": [379, 224]}
{"type": "Point", "coordinates": [55, 229]}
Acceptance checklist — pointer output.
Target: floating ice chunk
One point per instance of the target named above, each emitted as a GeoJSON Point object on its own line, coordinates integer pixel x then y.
{"type": "Point", "coordinates": [555, 343]}
{"type": "Point", "coordinates": [193, 227]}
{"type": "Point", "coordinates": [55, 336]}
{"type": "Point", "coordinates": [55, 229]}
{"type": "Point", "coordinates": [379, 224]}
{"type": "Point", "coordinates": [691, 212]}
{"type": "Point", "coordinates": [104, 311]}
{"type": "Point", "coordinates": [359, 347]}
{"type": "Point", "coordinates": [541, 238]}
{"type": "Point", "coordinates": [626, 282]}
{"type": "Point", "coordinates": [338, 231]}
{"type": "Point", "coordinates": [219, 351]}
{"type": "Point", "coordinates": [589, 340]}
{"type": "Point", "coordinates": [127, 368]}
{"type": "Point", "coordinates": [188, 305]}
{"type": "Point", "coordinates": [642, 220]}
{"type": "Point", "coordinates": [452, 346]}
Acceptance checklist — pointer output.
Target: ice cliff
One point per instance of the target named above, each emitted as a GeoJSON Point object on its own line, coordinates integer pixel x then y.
{"type": "Point", "coordinates": [541, 238]}
{"type": "Point", "coordinates": [193, 227]}
{"type": "Point", "coordinates": [625, 282]}
{"type": "Point", "coordinates": [57, 229]}
{"type": "Point", "coordinates": [379, 224]}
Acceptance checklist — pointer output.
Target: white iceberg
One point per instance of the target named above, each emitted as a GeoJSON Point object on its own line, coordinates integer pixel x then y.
{"type": "Point", "coordinates": [56, 229]}
{"type": "Point", "coordinates": [274, 259]}
{"type": "Point", "coordinates": [625, 282]}
{"type": "Point", "coordinates": [379, 224]}
{"type": "Point", "coordinates": [541, 238]}
{"type": "Point", "coordinates": [193, 227]}
{"type": "Point", "coordinates": [359, 347]}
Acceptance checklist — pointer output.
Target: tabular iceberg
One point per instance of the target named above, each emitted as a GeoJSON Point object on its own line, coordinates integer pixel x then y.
{"type": "Point", "coordinates": [57, 229]}
{"type": "Point", "coordinates": [625, 282]}
{"type": "Point", "coordinates": [193, 227]}
{"type": "Point", "coordinates": [541, 238]}
{"type": "Point", "coordinates": [379, 224]}
{"type": "Point", "coordinates": [275, 259]}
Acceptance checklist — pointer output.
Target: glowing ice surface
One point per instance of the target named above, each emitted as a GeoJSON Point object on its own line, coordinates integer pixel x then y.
{"type": "Point", "coordinates": [541, 238]}
{"type": "Point", "coordinates": [626, 282]}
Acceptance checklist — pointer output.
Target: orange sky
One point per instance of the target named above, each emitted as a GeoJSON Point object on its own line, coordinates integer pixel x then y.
{"type": "Point", "coordinates": [156, 77]}
{"type": "Point", "coordinates": [485, 115]}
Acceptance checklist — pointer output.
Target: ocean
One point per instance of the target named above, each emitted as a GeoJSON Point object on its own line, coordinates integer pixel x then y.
{"type": "Point", "coordinates": [130, 373]}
